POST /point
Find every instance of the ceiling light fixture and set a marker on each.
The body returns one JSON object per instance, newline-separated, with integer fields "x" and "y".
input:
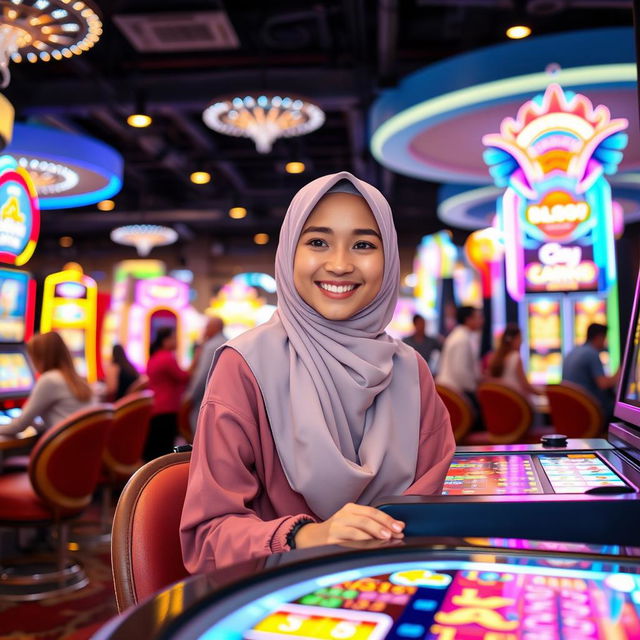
{"x": 264, "y": 119}
{"x": 261, "y": 238}
{"x": 294, "y": 167}
{"x": 518, "y": 31}
{"x": 44, "y": 30}
{"x": 237, "y": 213}
{"x": 144, "y": 237}
{"x": 65, "y": 241}
{"x": 139, "y": 120}
{"x": 106, "y": 205}
{"x": 200, "y": 177}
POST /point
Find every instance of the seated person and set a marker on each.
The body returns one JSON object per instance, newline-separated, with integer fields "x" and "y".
{"x": 427, "y": 346}
{"x": 583, "y": 366}
{"x": 505, "y": 363}
{"x": 59, "y": 391}
{"x": 120, "y": 374}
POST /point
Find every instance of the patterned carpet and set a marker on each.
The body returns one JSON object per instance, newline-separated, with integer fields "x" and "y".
{"x": 78, "y": 614}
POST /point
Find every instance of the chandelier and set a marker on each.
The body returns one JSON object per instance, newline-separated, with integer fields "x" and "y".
{"x": 42, "y": 30}
{"x": 144, "y": 237}
{"x": 264, "y": 119}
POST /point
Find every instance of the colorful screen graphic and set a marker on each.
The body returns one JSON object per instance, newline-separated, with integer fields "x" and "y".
{"x": 13, "y": 305}
{"x": 578, "y": 472}
{"x": 491, "y": 475}
{"x": 16, "y": 376}
{"x": 447, "y": 600}
{"x": 545, "y": 341}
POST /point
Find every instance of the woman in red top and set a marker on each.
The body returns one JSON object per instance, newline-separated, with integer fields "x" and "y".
{"x": 168, "y": 382}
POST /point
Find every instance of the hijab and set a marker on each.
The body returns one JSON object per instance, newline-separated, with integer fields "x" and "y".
{"x": 342, "y": 397}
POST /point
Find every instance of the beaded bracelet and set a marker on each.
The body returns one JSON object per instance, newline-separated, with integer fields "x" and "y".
{"x": 291, "y": 536}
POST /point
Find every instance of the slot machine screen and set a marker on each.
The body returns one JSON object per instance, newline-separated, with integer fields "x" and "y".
{"x": 16, "y": 373}
{"x": 14, "y": 286}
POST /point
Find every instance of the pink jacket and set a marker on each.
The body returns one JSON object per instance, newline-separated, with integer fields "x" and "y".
{"x": 239, "y": 504}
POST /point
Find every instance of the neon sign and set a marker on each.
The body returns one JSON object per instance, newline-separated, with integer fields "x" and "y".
{"x": 556, "y": 212}
{"x": 19, "y": 214}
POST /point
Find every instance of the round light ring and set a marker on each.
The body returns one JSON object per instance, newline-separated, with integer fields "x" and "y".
{"x": 48, "y": 26}
{"x": 144, "y": 237}
{"x": 457, "y": 98}
{"x": 264, "y": 118}
{"x": 69, "y": 170}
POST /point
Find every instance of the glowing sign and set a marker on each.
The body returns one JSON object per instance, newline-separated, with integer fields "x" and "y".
{"x": 162, "y": 291}
{"x": 19, "y": 214}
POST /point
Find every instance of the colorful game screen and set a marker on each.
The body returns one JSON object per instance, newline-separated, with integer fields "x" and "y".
{"x": 491, "y": 475}
{"x": 16, "y": 374}
{"x": 630, "y": 389}
{"x": 578, "y": 472}
{"x": 441, "y": 600}
{"x": 545, "y": 341}
{"x": 13, "y": 305}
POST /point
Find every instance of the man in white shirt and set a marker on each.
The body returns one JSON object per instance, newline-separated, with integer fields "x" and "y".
{"x": 459, "y": 364}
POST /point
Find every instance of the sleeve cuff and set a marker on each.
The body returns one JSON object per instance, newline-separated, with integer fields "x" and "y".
{"x": 279, "y": 540}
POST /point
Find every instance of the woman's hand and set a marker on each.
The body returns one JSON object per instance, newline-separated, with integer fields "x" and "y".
{"x": 353, "y": 522}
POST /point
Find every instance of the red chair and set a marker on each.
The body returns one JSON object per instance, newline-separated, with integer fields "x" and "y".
{"x": 460, "y": 410}
{"x": 64, "y": 467}
{"x": 574, "y": 411}
{"x": 506, "y": 413}
{"x": 145, "y": 543}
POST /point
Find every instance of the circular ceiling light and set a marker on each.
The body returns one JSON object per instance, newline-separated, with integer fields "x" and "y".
{"x": 294, "y": 167}
{"x": 237, "y": 213}
{"x": 144, "y": 237}
{"x": 518, "y": 31}
{"x": 43, "y": 30}
{"x": 139, "y": 120}
{"x": 68, "y": 170}
{"x": 200, "y": 177}
{"x": 264, "y": 119}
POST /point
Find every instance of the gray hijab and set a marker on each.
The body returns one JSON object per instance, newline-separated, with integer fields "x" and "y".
{"x": 342, "y": 397}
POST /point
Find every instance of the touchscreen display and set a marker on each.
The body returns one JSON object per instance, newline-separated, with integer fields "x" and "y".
{"x": 443, "y": 600}
{"x": 13, "y": 305}
{"x": 16, "y": 376}
{"x": 578, "y": 472}
{"x": 491, "y": 475}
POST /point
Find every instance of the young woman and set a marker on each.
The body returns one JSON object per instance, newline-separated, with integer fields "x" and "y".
{"x": 168, "y": 382}
{"x": 506, "y": 364}
{"x": 311, "y": 416}
{"x": 120, "y": 374}
{"x": 58, "y": 392}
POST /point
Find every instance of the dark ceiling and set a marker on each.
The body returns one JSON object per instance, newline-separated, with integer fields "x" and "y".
{"x": 339, "y": 53}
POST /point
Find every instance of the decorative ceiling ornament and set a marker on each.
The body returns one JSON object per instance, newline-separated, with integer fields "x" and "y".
{"x": 264, "y": 119}
{"x": 144, "y": 237}
{"x": 43, "y": 30}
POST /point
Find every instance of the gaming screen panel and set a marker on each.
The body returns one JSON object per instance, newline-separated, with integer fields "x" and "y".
{"x": 16, "y": 372}
{"x": 14, "y": 287}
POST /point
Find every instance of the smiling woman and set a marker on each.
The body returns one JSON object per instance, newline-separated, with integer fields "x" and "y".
{"x": 339, "y": 260}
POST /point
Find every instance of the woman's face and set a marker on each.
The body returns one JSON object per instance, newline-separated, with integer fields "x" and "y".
{"x": 170, "y": 342}
{"x": 339, "y": 261}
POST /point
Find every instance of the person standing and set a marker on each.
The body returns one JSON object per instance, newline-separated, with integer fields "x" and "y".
{"x": 167, "y": 381}
{"x": 583, "y": 367}
{"x": 212, "y": 339}
{"x": 427, "y": 346}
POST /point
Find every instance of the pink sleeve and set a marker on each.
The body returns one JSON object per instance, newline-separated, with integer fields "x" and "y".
{"x": 437, "y": 445}
{"x": 218, "y": 525}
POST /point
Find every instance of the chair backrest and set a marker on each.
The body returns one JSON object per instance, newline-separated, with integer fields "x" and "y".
{"x": 125, "y": 443}
{"x": 461, "y": 411}
{"x": 507, "y": 413}
{"x": 141, "y": 383}
{"x": 64, "y": 465}
{"x": 145, "y": 543}
{"x": 574, "y": 411}
{"x": 184, "y": 420}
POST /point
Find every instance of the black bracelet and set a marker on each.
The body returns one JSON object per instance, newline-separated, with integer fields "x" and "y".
{"x": 291, "y": 536}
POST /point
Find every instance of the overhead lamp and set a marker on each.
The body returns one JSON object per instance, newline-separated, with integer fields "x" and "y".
{"x": 261, "y": 238}
{"x": 237, "y": 213}
{"x": 65, "y": 241}
{"x": 264, "y": 118}
{"x": 44, "y": 30}
{"x": 106, "y": 205}
{"x": 139, "y": 120}
{"x": 294, "y": 167}
{"x": 200, "y": 177}
{"x": 144, "y": 237}
{"x": 518, "y": 31}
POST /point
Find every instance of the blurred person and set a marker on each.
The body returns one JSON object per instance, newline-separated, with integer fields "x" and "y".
{"x": 582, "y": 366}
{"x": 212, "y": 338}
{"x": 427, "y": 346}
{"x": 58, "y": 392}
{"x": 120, "y": 374}
{"x": 505, "y": 363}
{"x": 168, "y": 382}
